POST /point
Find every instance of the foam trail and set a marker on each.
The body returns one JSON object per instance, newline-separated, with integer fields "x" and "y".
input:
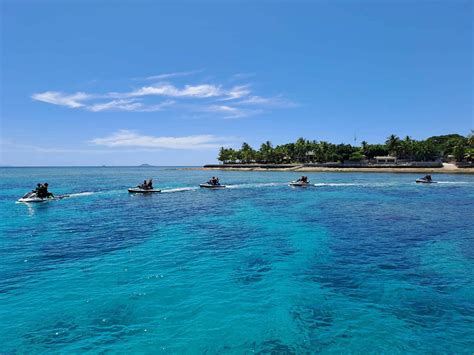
{"x": 180, "y": 189}
{"x": 87, "y": 193}
{"x": 247, "y": 186}
{"x": 345, "y": 184}
{"x": 454, "y": 182}
{"x": 338, "y": 184}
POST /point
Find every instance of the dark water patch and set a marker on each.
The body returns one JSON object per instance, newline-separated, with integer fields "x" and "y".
{"x": 252, "y": 269}
{"x": 274, "y": 346}
{"x": 212, "y": 237}
{"x": 310, "y": 318}
{"x": 339, "y": 280}
{"x": 105, "y": 326}
{"x": 92, "y": 245}
{"x": 53, "y": 334}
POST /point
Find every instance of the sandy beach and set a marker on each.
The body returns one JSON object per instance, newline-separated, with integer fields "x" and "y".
{"x": 446, "y": 169}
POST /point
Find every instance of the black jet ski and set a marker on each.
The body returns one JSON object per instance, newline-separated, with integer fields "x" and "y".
{"x": 300, "y": 184}
{"x": 32, "y": 197}
{"x": 211, "y": 186}
{"x": 139, "y": 190}
{"x": 425, "y": 181}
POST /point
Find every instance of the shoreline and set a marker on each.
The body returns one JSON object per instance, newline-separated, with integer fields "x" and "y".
{"x": 446, "y": 169}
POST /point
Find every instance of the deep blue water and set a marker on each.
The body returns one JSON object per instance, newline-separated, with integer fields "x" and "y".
{"x": 361, "y": 263}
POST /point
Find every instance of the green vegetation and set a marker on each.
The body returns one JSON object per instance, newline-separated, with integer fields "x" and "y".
{"x": 447, "y": 147}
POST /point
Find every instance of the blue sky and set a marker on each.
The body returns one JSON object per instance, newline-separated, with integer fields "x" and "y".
{"x": 167, "y": 83}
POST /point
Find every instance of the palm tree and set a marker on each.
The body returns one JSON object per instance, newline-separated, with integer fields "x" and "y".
{"x": 266, "y": 152}
{"x": 405, "y": 149}
{"x": 470, "y": 139}
{"x": 301, "y": 149}
{"x": 223, "y": 155}
{"x": 459, "y": 152}
{"x": 393, "y": 143}
{"x": 247, "y": 153}
{"x": 469, "y": 154}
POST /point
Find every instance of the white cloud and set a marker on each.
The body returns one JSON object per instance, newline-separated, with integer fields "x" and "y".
{"x": 232, "y": 112}
{"x": 128, "y": 105}
{"x": 188, "y": 91}
{"x": 266, "y": 101}
{"x": 239, "y": 76}
{"x": 174, "y": 75}
{"x": 228, "y": 102}
{"x": 126, "y": 138}
{"x": 58, "y": 98}
{"x": 224, "y": 109}
{"x": 197, "y": 91}
{"x": 237, "y": 92}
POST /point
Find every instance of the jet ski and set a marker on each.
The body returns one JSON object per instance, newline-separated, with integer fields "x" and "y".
{"x": 425, "y": 181}
{"x": 139, "y": 190}
{"x": 31, "y": 197}
{"x": 300, "y": 184}
{"x": 211, "y": 186}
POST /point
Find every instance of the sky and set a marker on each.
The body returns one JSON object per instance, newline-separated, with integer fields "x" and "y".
{"x": 169, "y": 82}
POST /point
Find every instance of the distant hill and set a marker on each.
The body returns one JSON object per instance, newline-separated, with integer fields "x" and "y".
{"x": 144, "y": 165}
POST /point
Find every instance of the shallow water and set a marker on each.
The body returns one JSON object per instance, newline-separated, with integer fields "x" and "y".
{"x": 359, "y": 263}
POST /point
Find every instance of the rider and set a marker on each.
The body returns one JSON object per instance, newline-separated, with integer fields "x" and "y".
{"x": 428, "y": 177}
{"x": 48, "y": 194}
{"x": 38, "y": 188}
{"x": 42, "y": 191}
{"x": 214, "y": 181}
{"x": 150, "y": 184}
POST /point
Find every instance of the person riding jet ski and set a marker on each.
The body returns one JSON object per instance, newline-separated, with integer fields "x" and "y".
{"x": 425, "y": 180}
{"x": 214, "y": 181}
{"x": 303, "y": 179}
{"x": 147, "y": 185}
{"x": 42, "y": 191}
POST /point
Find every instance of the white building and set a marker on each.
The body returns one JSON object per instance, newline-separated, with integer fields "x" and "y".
{"x": 385, "y": 159}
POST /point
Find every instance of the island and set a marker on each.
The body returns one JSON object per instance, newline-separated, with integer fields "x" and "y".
{"x": 451, "y": 153}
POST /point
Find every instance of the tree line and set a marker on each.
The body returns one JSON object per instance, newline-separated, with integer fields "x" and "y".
{"x": 452, "y": 146}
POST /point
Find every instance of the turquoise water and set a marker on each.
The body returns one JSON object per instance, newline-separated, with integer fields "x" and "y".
{"x": 361, "y": 263}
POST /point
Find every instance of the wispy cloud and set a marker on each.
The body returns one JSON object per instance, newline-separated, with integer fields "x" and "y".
{"x": 128, "y": 105}
{"x": 240, "y": 76}
{"x": 127, "y": 138}
{"x": 228, "y": 111}
{"x": 266, "y": 101}
{"x": 237, "y": 92}
{"x": 233, "y": 112}
{"x": 58, "y": 98}
{"x": 174, "y": 75}
{"x": 202, "y": 91}
{"x": 221, "y": 100}
{"x": 164, "y": 89}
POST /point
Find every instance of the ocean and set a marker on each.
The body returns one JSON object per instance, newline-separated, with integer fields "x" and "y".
{"x": 359, "y": 263}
